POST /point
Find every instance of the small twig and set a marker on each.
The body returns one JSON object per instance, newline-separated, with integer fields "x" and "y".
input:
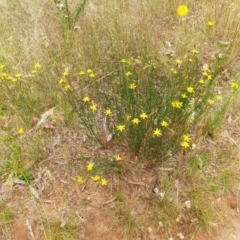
{"x": 238, "y": 197}
{"x": 136, "y": 183}
{"x": 29, "y": 227}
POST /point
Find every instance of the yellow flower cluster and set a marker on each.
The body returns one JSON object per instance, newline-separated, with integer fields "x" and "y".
{"x": 89, "y": 71}
{"x": 63, "y": 80}
{"x": 37, "y": 66}
{"x": 177, "y": 104}
{"x": 96, "y": 178}
{"x": 5, "y": 76}
{"x": 185, "y": 141}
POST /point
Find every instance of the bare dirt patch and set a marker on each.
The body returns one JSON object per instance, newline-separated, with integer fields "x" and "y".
{"x": 101, "y": 212}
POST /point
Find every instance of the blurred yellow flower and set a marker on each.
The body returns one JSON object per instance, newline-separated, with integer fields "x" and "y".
{"x": 67, "y": 87}
{"x": 128, "y": 117}
{"x": 86, "y": 99}
{"x": 108, "y": 112}
{"x": 93, "y": 107}
{"x": 210, "y": 23}
{"x": 96, "y": 178}
{"x": 37, "y": 65}
{"x": 118, "y": 158}
{"x": 92, "y": 75}
{"x": 184, "y": 95}
{"x": 195, "y": 51}
{"x": 81, "y": 72}
{"x": 143, "y": 115}
{"x": 179, "y": 61}
{"x": 182, "y": 11}
{"x": 186, "y": 138}
{"x": 190, "y": 89}
{"x": 185, "y": 144}
{"x": 79, "y": 179}
{"x": 18, "y": 75}
{"x": 61, "y": 80}
{"x": 128, "y": 73}
{"x": 218, "y": 97}
{"x": 104, "y": 182}
{"x": 174, "y": 71}
{"x": 132, "y": 86}
{"x": 164, "y": 123}
{"x": 177, "y": 104}
{"x": 89, "y": 71}
{"x": 90, "y": 166}
{"x": 65, "y": 73}
{"x": 121, "y": 128}
{"x": 20, "y": 131}
{"x": 135, "y": 121}
{"x": 234, "y": 85}
{"x": 210, "y": 101}
{"x": 157, "y": 132}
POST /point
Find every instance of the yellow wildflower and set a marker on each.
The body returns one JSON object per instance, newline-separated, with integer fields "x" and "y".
{"x": 177, "y": 104}
{"x": 179, "y": 61}
{"x": 143, "y": 115}
{"x": 61, "y": 80}
{"x": 195, "y": 51}
{"x": 164, "y": 123}
{"x": 18, "y": 75}
{"x": 121, "y": 128}
{"x": 20, "y": 131}
{"x": 173, "y": 70}
{"x": 104, "y": 182}
{"x": 186, "y": 138}
{"x": 79, "y": 179}
{"x": 81, "y": 72}
{"x": 118, "y": 158}
{"x": 157, "y": 132}
{"x": 132, "y": 86}
{"x": 90, "y": 166}
{"x": 67, "y": 87}
{"x": 108, "y": 112}
{"x": 184, "y": 95}
{"x": 96, "y": 178}
{"x": 182, "y": 11}
{"x": 89, "y": 71}
{"x": 128, "y": 117}
{"x": 128, "y": 73}
{"x": 93, "y": 107}
{"x": 135, "y": 121}
{"x": 37, "y": 65}
{"x": 210, "y": 101}
{"x": 185, "y": 144}
{"x": 234, "y": 85}
{"x": 65, "y": 73}
{"x": 190, "y": 89}
{"x": 86, "y": 99}
{"x": 92, "y": 75}
{"x": 210, "y": 23}
{"x": 218, "y": 97}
